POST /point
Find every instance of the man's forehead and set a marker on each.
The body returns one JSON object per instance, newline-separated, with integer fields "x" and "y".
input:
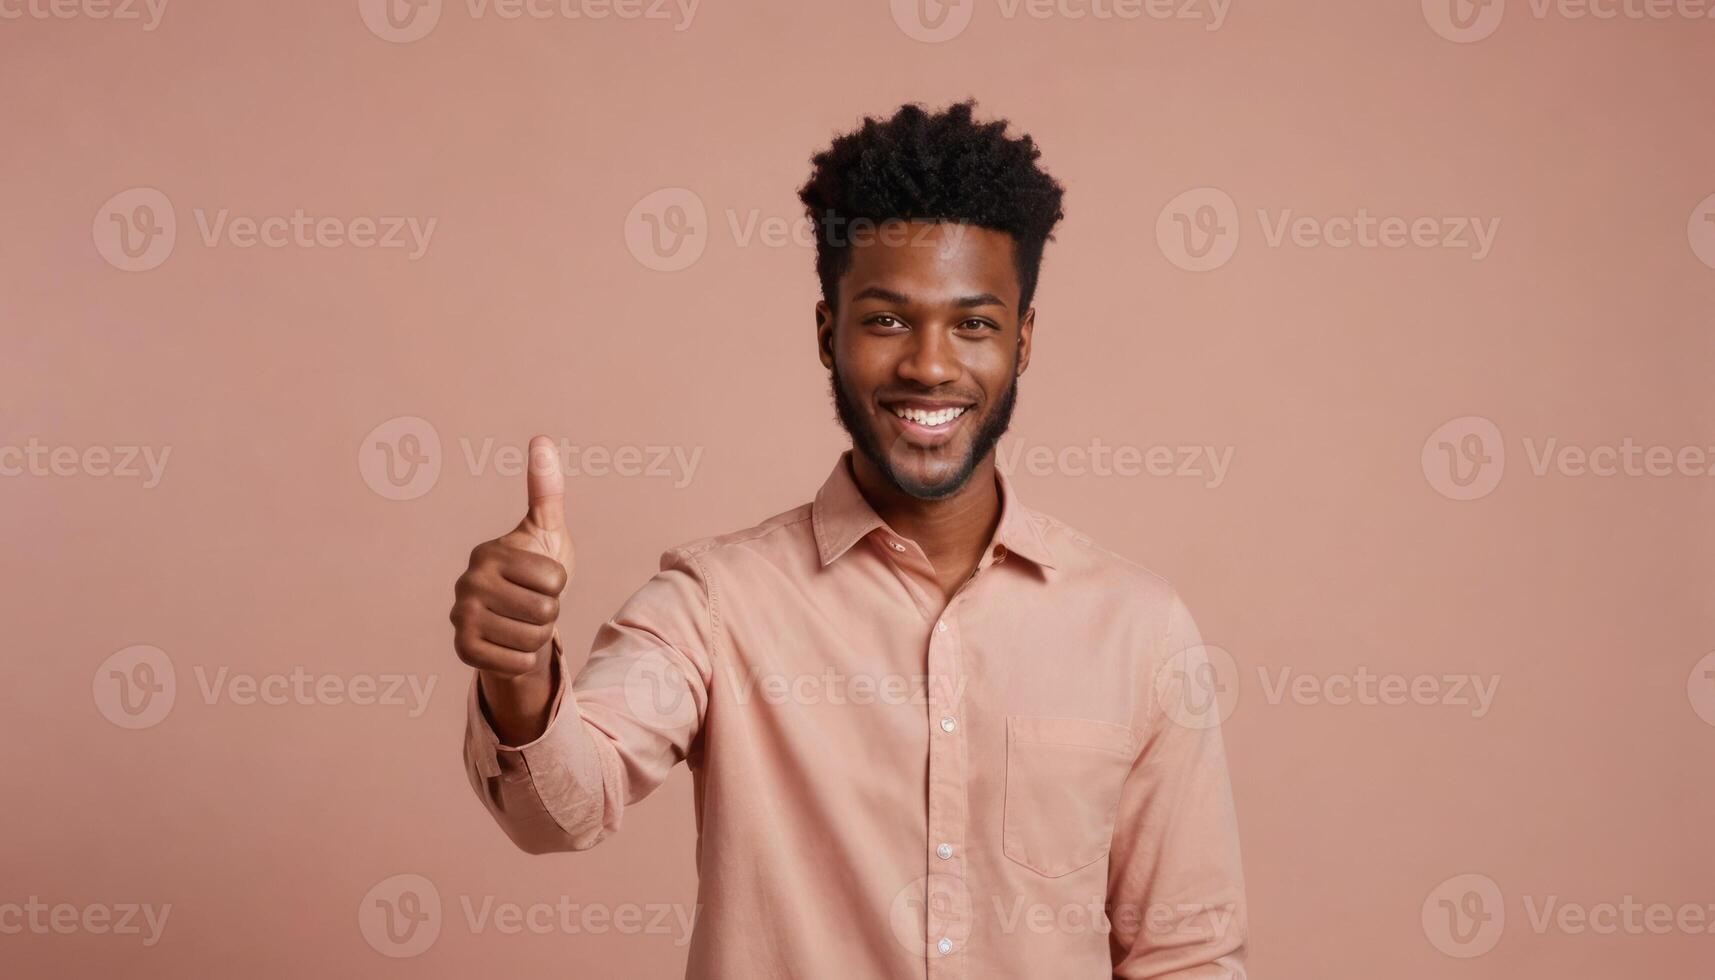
{"x": 932, "y": 261}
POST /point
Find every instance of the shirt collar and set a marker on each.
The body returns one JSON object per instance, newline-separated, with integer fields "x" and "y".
{"x": 840, "y": 517}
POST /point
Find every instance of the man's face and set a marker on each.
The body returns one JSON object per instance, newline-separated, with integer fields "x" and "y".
{"x": 925, "y": 350}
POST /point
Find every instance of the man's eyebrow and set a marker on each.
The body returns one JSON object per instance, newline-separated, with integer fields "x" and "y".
{"x": 900, "y": 299}
{"x": 980, "y": 299}
{"x": 885, "y": 295}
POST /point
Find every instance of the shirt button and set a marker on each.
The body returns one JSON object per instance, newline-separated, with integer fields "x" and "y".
{"x": 941, "y": 626}
{"x": 947, "y": 724}
{"x": 944, "y": 852}
{"x": 897, "y": 546}
{"x": 944, "y": 947}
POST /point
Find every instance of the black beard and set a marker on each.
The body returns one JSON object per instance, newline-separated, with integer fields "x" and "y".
{"x": 993, "y": 426}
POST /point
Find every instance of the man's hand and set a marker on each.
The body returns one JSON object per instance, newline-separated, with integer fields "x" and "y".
{"x": 507, "y": 603}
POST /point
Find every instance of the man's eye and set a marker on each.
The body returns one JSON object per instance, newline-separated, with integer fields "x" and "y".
{"x": 979, "y": 325}
{"x": 884, "y": 321}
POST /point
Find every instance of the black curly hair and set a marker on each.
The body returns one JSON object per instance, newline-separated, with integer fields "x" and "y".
{"x": 923, "y": 166}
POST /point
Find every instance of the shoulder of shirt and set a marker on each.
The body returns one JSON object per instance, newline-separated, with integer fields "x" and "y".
{"x": 1078, "y": 555}
{"x": 715, "y": 546}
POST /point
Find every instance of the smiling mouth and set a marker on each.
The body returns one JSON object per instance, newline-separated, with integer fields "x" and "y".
{"x": 930, "y": 418}
{"x": 927, "y": 425}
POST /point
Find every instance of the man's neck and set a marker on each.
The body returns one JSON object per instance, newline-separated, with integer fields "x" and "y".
{"x": 952, "y": 531}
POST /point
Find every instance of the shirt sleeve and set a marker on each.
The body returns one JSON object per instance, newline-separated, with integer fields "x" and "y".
{"x": 613, "y": 734}
{"x": 1176, "y": 899}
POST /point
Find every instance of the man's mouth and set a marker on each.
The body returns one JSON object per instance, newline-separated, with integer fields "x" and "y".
{"x": 927, "y": 424}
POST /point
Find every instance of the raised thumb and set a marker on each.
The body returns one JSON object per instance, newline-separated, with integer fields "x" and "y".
{"x": 547, "y": 486}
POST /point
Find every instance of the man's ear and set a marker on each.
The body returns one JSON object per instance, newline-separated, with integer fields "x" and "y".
{"x": 825, "y": 333}
{"x": 1026, "y": 327}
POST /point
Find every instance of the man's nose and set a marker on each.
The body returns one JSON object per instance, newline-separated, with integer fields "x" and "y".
{"x": 930, "y": 360}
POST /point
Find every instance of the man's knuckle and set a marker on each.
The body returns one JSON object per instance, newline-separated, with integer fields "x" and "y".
{"x": 547, "y": 609}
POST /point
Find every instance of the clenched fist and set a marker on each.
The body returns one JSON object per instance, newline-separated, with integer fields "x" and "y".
{"x": 507, "y": 602}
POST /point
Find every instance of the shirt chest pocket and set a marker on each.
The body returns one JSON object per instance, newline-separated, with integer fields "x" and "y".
{"x": 1063, "y": 780}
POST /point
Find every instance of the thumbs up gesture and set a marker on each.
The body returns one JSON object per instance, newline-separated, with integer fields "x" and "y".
{"x": 507, "y": 602}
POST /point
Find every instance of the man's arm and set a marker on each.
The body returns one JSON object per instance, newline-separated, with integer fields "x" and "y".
{"x": 556, "y": 763}
{"x": 1176, "y": 896}
{"x": 614, "y": 733}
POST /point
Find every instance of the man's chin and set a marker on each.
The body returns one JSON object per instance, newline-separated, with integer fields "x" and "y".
{"x": 941, "y": 478}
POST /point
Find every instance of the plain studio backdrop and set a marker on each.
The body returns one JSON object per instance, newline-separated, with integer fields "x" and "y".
{"x": 1380, "y": 329}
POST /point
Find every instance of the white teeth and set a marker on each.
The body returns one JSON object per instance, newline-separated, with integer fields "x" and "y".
{"x": 937, "y": 417}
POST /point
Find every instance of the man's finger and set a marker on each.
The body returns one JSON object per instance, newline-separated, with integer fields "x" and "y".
{"x": 547, "y": 486}
{"x": 531, "y": 570}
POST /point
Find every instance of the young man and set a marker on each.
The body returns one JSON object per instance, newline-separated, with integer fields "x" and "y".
{"x": 933, "y": 733}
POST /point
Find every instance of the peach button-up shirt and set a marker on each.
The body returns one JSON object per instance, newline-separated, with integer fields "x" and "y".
{"x": 1017, "y": 782}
